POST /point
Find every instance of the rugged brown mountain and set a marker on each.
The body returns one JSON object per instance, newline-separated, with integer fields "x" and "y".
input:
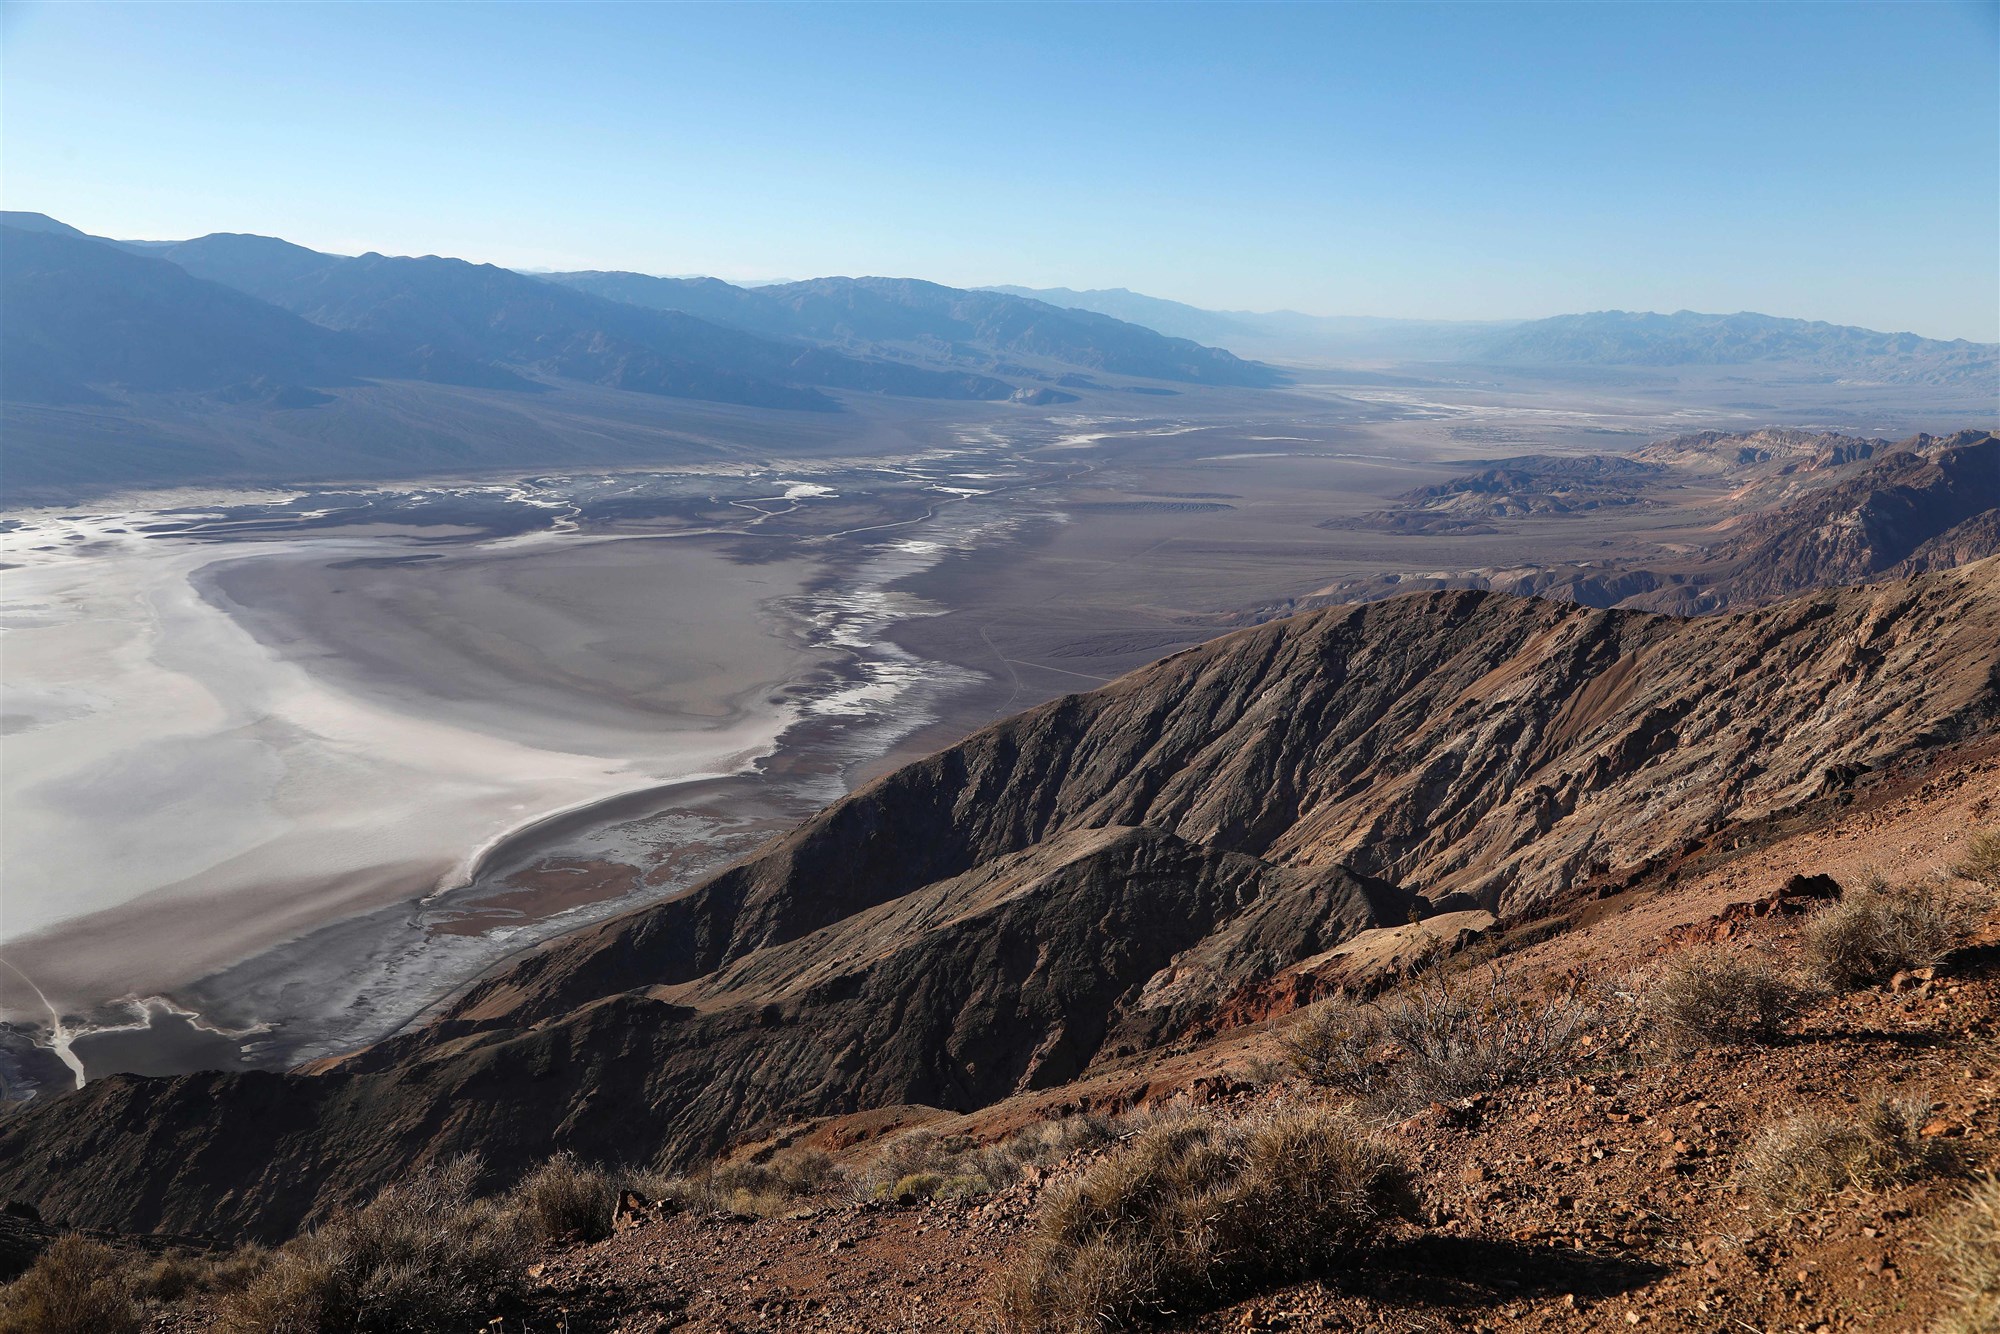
{"x": 1090, "y": 878}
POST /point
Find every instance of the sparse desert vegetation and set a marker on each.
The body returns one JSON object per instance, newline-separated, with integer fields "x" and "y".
{"x": 1196, "y": 1207}
{"x": 1879, "y": 930}
{"x": 77, "y": 1286}
{"x": 1968, "y": 1239}
{"x": 751, "y": 1189}
{"x": 1716, "y": 996}
{"x": 427, "y": 1254}
{"x": 1800, "y": 1161}
{"x": 1445, "y": 1037}
{"x": 1981, "y": 860}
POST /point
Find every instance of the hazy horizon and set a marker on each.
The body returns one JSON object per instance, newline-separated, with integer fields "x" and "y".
{"x": 1836, "y": 163}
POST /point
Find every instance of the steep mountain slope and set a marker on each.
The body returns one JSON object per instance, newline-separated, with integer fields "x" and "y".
{"x": 1094, "y": 877}
{"x": 1687, "y": 338}
{"x": 81, "y": 313}
{"x": 1908, "y": 501}
{"x": 928, "y": 320}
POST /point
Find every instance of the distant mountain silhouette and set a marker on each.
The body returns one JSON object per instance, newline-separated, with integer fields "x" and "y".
{"x": 1687, "y": 338}
{"x": 460, "y": 322}
{"x": 81, "y": 314}
{"x": 912, "y": 317}
{"x": 37, "y": 222}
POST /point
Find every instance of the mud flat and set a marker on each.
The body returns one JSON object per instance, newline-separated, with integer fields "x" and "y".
{"x": 213, "y": 748}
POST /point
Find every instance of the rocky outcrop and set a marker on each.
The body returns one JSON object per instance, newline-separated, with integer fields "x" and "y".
{"x": 1095, "y": 876}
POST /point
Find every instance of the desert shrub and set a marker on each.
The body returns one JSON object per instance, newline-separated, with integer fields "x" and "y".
{"x": 968, "y": 1167}
{"x": 751, "y": 1189}
{"x": 1716, "y": 997}
{"x": 1445, "y": 1039}
{"x": 563, "y": 1200}
{"x": 1876, "y": 931}
{"x": 76, "y": 1286}
{"x": 1196, "y": 1209}
{"x": 1340, "y": 1044}
{"x": 1968, "y": 1241}
{"x": 175, "y": 1277}
{"x": 424, "y": 1255}
{"x": 1046, "y": 1142}
{"x": 1981, "y": 862}
{"x": 1800, "y": 1161}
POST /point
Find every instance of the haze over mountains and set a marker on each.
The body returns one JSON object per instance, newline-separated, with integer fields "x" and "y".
{"x": 1599, "y": 338}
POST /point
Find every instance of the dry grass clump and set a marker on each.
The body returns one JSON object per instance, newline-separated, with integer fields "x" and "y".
{"x": 1981, "y": 862}
{"x": 1798, "y": 1162}
{"x": 921, "y": 1165}
{"x": 1877, "y": 931}
{"x": 1196, "y": 1209}
{"x": 1444, "y": 1040}
{"x": 563, "y": 1200}
{"x": 76, "y": 1286}
{"x": 170, "y": 1278}
{"x": 1969, "y": 1243}
{"x": 1716, "y": 997}
{"x": 747, "y": 1189}
{"x": 425, "y": 1255}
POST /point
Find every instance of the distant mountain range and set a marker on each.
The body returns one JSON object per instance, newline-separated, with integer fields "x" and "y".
{"x": 925, "y": 319}
{"x": 1284, "y": 333}
{"x": 1600, "y": 338}
{"x": 1688, "y": 338}
{"x": 88, "y": 315}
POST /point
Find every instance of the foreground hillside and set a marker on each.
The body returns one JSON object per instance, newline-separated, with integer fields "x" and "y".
{"x": 1098, "y": 880}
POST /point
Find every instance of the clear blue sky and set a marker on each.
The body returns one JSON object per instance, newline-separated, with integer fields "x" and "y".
{"x": 1836, "y": 162}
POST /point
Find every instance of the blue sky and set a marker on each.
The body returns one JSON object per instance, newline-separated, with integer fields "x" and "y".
{"x": 1834, "y": 162}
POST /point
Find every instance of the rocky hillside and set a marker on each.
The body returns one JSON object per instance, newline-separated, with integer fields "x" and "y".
{"x": 1776, "y": 512}
{"x": 1091, "y": 879}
